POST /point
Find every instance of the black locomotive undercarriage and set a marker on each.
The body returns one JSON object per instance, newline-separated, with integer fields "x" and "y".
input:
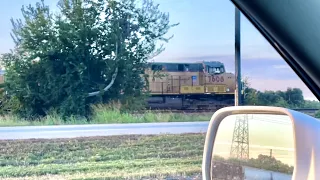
{"x": 190, "y": 102}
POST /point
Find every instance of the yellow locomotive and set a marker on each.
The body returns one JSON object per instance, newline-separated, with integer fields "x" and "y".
{"x": 200, "y": 85}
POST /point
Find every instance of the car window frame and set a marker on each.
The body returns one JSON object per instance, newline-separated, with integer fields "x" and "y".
{"x": 247, "y": 8}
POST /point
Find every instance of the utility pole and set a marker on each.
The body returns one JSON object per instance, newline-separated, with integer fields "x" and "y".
{"x": 237, "y": 48}
{"x": 270, "y": 152}
{"x": 240, "y": 139}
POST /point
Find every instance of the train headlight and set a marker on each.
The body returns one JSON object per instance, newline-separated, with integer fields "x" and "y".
{"x": 228, "y": 89}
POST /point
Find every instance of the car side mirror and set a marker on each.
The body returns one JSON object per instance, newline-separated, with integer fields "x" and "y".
{"x": 283, "y": 144}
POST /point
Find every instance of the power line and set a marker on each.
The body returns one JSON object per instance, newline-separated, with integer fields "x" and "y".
{"x": 275, "y": 122}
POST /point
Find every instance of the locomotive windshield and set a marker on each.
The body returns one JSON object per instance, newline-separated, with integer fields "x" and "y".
{"x": 214, "y": 70}
{"x": 214, "y": 67}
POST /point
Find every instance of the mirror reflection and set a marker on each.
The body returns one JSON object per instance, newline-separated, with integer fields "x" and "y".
{"x": 254, "y": 146}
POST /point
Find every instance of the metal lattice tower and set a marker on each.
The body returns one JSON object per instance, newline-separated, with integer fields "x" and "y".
{"x": 240, "y": 139}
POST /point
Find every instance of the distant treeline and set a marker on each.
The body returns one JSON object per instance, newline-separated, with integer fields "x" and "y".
{"x": 262, "y": 162}
{"x": 291, "y": 98}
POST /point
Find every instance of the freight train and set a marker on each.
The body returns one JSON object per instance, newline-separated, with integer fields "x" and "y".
{"x": 187, "y": 86}
{"x": 190, "y": 86}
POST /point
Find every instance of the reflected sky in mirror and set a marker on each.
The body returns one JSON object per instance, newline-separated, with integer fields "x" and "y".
{"x": 270, "y": 135}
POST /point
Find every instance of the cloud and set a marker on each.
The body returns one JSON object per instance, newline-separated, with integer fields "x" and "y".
{"x": 281, "y": 67}
{"x": 215, "y": 57}
{"x": 171, "y": 58}
{"x": 255, "y": 52}
{"x": 261, "y": 67}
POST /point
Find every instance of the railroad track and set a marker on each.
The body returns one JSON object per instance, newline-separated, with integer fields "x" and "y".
{"x": 185, "y": 111}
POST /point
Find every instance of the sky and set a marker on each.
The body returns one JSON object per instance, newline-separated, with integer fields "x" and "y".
{"x": 205, "y": 33}
{"x": 265, "y": 132}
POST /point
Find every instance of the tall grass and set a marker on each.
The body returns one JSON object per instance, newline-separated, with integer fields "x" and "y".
{"x": 105, "y": 114}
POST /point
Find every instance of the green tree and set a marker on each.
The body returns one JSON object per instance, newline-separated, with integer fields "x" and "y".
{"x": 266, "y": 98}
{"x": 311, "y": 104}
{"x": 281, "y": 103}
{"x": 249, "y": 94}
{"x": 89, "y": 52}
{"x": 294, "y": 97}
{"x": 251, "y": 97}
{"x": 317, "y": 115}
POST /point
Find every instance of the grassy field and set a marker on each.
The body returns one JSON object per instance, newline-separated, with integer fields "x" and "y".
{"x": 107, "y": 115}
{"x": 117, "y": 157}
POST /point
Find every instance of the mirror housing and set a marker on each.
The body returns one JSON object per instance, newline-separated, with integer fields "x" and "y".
{"x": 306, "y": 132}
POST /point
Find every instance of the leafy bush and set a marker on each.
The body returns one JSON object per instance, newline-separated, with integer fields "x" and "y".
{"x": 317, "y": 115}
{"x": 89, "y": 52}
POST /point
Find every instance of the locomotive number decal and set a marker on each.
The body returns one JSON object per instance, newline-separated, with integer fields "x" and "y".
{"x": 217, "y": 79}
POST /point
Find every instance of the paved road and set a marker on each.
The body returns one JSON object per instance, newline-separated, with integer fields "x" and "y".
{"x": 71, "y": 131}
